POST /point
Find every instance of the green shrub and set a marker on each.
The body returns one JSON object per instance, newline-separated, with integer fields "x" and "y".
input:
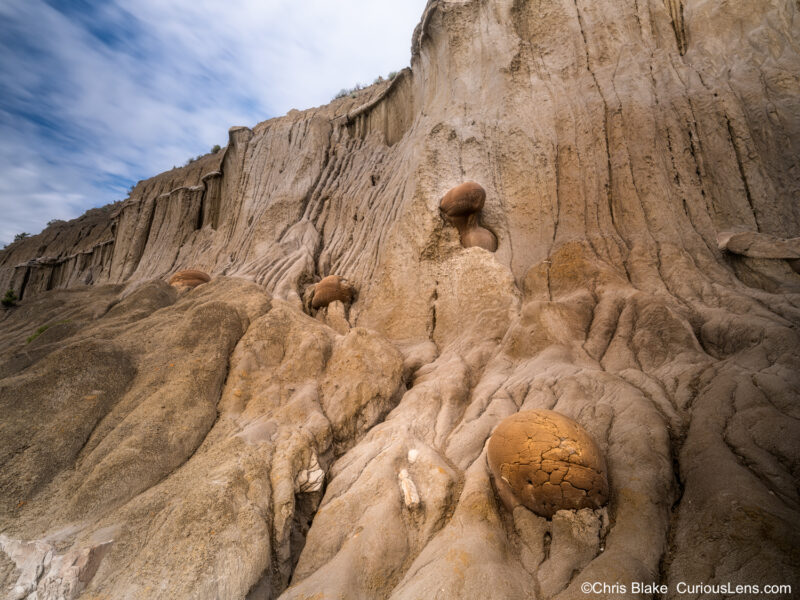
{"x": 352, "y": 92}
{"x": 39, "y": 331}
{"x": 21, "y": 236}
{"x": 349, "y": 92}
{"x": 10, "y": 299}
{"x": 216, "y": 148}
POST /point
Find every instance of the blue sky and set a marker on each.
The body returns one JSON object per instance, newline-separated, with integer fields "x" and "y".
{"x": 95, "y": 95}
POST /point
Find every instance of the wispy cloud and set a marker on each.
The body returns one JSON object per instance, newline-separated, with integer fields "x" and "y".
{"x": 97, "y": 95}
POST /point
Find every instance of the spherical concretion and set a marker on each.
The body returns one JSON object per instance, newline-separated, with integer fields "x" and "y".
{"x": 189, "y": 278}
{"x": 547, "y": 462}
{"x": 332, "y": 288}
{"x": 463, "y": 199}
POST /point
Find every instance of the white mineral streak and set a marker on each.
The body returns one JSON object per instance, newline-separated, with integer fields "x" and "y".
{"x": 311, "y": 478}
{"x": 410, "y": 495}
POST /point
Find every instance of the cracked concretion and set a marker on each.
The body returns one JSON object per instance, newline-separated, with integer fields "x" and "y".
{"x": 546, "y": 462}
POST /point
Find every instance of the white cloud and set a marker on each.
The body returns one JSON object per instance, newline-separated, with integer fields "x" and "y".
{"x": 93, "y": 98}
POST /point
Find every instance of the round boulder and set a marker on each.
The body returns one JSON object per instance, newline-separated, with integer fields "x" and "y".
{"x": 547, "y": 462}
{"x": 463, "y": 200}
{"x": 190, "y": 278}
{"x": 330, "y": 288}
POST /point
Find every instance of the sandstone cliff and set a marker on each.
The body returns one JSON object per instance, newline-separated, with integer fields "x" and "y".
{"x": 640, "y": 163}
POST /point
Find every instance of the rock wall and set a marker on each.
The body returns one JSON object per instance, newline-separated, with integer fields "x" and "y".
{"x": 631, "y": 151}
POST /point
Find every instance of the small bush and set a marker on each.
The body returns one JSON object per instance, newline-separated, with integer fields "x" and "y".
{"x": 353, "y": 91}
{"x": 10, "y": 299}
{"x": 55, "y": 222}
{"x": 349, "y": 92}
{"x": 191, "y": 159}
{"x": 21, "y": 236}
{"x": 216, "y": 148}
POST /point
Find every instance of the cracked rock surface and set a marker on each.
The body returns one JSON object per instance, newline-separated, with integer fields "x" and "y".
{"x": 219, "y": 442}
{"x": 546, "y": 462}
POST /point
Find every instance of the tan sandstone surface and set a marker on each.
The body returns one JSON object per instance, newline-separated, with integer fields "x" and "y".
{"x": 640, "y": 163}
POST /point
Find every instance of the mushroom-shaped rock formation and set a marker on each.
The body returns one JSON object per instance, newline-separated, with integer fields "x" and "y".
{"x": 463, "y": 200}
{"x": 546, "y": 462}
{"x": 462, "y": 207}
{"x": 189, "y": 278}
{"x": 330, "y": 288}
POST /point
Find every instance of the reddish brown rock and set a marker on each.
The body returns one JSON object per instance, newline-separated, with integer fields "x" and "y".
{"x": 479, "y": 236}
{"x": 461, "y": 207}
{"x": 463, "y": 200}
{"x": 189, "y": 278}
{"x": 331, "y": 288}
{"x": 547, "y": 462}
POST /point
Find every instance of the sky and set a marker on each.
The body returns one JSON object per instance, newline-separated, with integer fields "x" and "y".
{"x": 98, "y": 94}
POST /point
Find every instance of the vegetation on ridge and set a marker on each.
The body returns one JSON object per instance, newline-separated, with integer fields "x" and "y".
{"x": 214, "y": 149}
{"x": 352, "y": 92}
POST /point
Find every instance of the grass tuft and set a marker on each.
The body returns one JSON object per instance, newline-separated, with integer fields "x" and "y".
{"x": 40, "y": 330}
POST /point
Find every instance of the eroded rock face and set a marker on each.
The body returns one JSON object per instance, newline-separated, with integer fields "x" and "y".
{"x": 547, "y": 462}
{"x": 462, "y": 206}
{"x": 761, "y": 246}
{"x": 229, "y": 443}
{"x": 189, "y": 278}
{"x": 44, "y": 574}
